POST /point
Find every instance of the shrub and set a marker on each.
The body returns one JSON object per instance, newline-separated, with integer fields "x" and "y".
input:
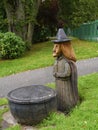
{"x": 1, "y": 36}
{"x": 11, "y": 46}
{"x": 41, "y": 34}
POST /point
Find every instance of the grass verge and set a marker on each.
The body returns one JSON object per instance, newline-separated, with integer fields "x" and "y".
{"x": 40, "y": 56}
{"x": 85, "y": 49}
{"x": 3, "y": 102}
{"x": 17, "y": 127}
{"x": 84, "y": 116}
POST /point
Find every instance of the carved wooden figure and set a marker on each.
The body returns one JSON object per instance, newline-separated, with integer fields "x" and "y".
{"x": 65, "y": 73}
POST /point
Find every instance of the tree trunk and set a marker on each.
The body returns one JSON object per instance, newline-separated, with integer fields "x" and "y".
{"x": 30, "y": 32}
{"x": 30, "y": 27}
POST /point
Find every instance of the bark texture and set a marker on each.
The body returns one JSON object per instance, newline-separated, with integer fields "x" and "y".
{"x": 65, "y": 73}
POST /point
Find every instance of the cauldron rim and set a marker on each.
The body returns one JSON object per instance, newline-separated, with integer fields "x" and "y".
{"x": 30, "y": 100}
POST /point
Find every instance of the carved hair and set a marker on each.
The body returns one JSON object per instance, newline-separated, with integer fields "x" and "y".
{"x": 68, "y": 51}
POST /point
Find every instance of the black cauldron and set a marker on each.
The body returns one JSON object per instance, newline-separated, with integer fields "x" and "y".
{"x": 31, "y": 104}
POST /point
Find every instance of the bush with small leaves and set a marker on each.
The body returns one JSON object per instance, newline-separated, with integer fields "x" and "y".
{"x": 11, "y": 46}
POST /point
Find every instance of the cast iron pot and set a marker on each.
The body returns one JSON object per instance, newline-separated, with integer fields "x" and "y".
{"x": 31, "y": 104}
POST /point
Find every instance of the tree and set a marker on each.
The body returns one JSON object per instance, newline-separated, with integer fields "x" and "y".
{"x": 21, "y": 15}
{"x": 85, "y": 11}
{"x": 3, "y": 19}
{"x": 66, "y": 7}
{"x": 76, "y": 12}
{"x": 46, "y": 20}
{"x": 47, "y": 15}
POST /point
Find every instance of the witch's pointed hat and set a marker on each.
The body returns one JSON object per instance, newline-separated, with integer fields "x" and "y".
{"x": 61, "y": 36}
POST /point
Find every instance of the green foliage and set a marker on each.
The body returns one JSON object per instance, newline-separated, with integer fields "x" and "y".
{"x": 16, "y": 127}
{"x": 84, "y": 11}
{"x": 3, "y": 19}
{"x": 78, "y": 11}
{"x": 11, "y": 46}
{"x": 1, "y": 35}
{"x": 21, "y": 16}
{"x": 66, "y": 8}
{"x": 46, "y": 21}
{"x": 3, "y": 101}
{"x": 30, "y": 10}
{"x": 28, "y": 45}
{"x": 40, "y": 34}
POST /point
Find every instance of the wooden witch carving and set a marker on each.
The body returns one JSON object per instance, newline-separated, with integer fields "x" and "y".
{"x": 65, "y": 72}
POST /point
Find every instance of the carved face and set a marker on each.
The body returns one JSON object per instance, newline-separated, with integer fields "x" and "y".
{"x": 56, "y": 50}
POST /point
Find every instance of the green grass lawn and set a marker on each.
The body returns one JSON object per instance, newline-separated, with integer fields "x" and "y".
{"x": 83, "y": 117}
{"x": 3, "y": 101}
{"x": 40, "y": 56}
{"x": 85, "y": 49}
{"x": 17, "y": 127}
